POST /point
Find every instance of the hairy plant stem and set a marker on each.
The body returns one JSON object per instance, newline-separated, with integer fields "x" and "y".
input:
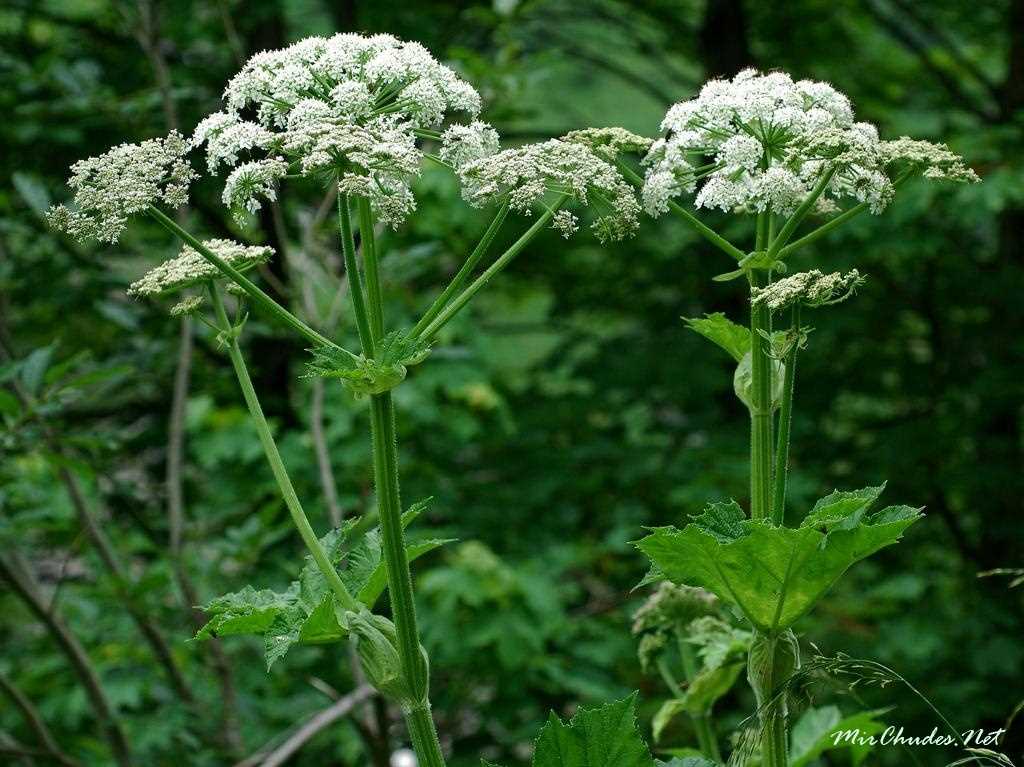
{"x": 355, "y": 280}
{"x": 418, "y": 719}
{"x": 284, "y": 483}
{"x": 761, "y": 394}
{"x": 453, "y": 308}
{"x": 785, "y": 423}
{"x": 463, "y": 274}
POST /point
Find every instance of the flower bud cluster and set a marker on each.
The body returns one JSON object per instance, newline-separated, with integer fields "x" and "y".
{"x": 190, "y": 268}
{"x": 122, "y": 182}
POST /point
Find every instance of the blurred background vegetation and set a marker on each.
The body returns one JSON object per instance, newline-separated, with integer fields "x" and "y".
{"x": 575, "y": 409}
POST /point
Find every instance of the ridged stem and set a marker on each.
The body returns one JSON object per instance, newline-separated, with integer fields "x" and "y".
{"x": 785, "y": 424}
{"x": 277, "y": 467}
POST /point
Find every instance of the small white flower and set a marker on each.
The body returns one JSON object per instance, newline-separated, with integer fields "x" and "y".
{"x": 122, "y": 182}
{"x": 525, "y": 175}
{"x": 811, "y": 288}
{"x": 461, "y": 144}
{"x": 565, "y": 222}
{"x": 189, "y": 268}
{"x": 348, "y": 104}
{"x": 609, "y": 143}
{"x": 761, "y": 142}
{"x": 251, "y": 181}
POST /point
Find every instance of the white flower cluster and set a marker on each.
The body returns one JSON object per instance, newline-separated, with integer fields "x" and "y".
{"x": 462, "y": 144}
{"x": 811, "y": 288}
{"x": 525, "y": 175}
{"x": 761, "y": 142}
{"x": 124, "y": 181}
{"x": 609, "y": 143}
{"x": 190, "y": 268}
{"x": 348, "y": 104}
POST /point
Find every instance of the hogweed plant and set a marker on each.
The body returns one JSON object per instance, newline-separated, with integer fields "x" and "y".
{"x": 361, "y": 116}
{"x": 356, "y": 114}
{"x": 777, "y": 151}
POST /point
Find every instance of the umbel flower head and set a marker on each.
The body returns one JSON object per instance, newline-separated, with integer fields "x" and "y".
{"x": 811, "y": 289}
{"x": 348, "y": 105}
{"x": 122, "y": 182}
{"x": 524, "y": 176}
{"x": 761, "y": 142}
{"x": 189, "y": 268}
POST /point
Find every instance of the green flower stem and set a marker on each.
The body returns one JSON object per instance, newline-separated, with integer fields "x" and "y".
{"x": 389, "y": 506}
{"x": 345, "y": 599}
{"x": 369, "y": 248}
{"x": 761, "y": 393}
{"x": 839, "y": 220}
{"x": 799, "y": 214}
{"x": 500, "y": 263}
{"x": 701, "y": 722}
{"x": 414, "y": 667}
{"x": 257, "y": 296}
{"x": 785, "y": 424}
{"x": 463, "y": 274}
{"x": 355, "y": 281}
{"x": 699, "y": 226}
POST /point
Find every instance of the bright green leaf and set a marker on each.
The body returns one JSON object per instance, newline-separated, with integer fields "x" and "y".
{"x": 812, "y": 735}
{"x": 596, "y": 737}
{"x": 774, "y": 575}
{"x": 720, "y": 330}
{"x": 844, "y": 508}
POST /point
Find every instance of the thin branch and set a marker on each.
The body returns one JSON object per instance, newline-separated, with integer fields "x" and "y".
{"x": 13, "y": 569}
{"x": 35, "y": 723}
{"x": 274, "y": 756}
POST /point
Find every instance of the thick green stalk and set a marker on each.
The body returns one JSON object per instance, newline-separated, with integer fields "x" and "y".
{"x": 291, "y": 499}
{"x": 785, "y": 424}
{"x": 500, "y": 262}
{"x": 463, "y": 274}
{"x": 355, "y": 281}
{"x": 368, "y": 244}
{"x": 257, "y": 296}
{"x": 403, "y": 608}
{"x": 389, "y": 504}
{"x": 761, "y": 395}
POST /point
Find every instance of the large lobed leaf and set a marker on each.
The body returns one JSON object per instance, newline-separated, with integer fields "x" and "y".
{"x": 606, "y": 736}
{"x": 774, "y": 575}
{"x": 307, "y": 611}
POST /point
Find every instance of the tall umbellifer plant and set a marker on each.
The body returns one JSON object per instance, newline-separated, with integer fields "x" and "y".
{"x": 354, "y": 113}
{"x": 781, "y": 153}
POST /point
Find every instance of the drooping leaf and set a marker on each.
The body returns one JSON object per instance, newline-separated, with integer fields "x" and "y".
{"x": 244, "y": 612}
{"x": 34, "y": 366}
{"x": 813, "y": 734}
{"x": 307, "y": 612}
{"x": 774, "y": 575}
{"x": 720, "y": 330}
{"x": 598, "y": 737}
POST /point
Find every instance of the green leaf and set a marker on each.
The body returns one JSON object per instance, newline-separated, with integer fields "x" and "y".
{"x": 33, "y": 368}
{"x": 720, "y": 330}
{"x": 32, "y": 190}
{"x": 596, "y": 737}
{"x": 842, "y": 509}
{"x": 812, "y": 735}
{"x": 707, "y": 687}
{"x": 9, "y": 404}
{"x": 774, "y": 575}
{"x": 307, "y": 612}
{"x": 243, "y": 612}
{"x": 691, "y": 761}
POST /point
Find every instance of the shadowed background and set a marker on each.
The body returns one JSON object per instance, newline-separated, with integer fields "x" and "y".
{"x": 570, "y": 408}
